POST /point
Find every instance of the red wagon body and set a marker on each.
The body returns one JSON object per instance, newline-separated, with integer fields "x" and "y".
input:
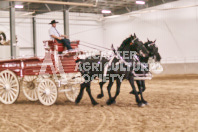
{"x": 30, "y": 74}
{"x": 32, "y": 66}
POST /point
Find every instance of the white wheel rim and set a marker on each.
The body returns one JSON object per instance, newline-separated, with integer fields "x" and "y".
{"x": 29, "y": 88}
{"x": 47, "y": 92}
{"x": 72, "y": 93}
{"x": 9, "y": 87}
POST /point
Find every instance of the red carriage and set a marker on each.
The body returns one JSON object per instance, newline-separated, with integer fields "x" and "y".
{"x": 41, "y": 78}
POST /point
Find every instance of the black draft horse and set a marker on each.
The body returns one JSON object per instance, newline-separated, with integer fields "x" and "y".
{"x": 153, "y": 52}
{"x": 94, "y": 66}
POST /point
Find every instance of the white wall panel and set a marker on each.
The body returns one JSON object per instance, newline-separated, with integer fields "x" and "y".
{"x": 86, "y": 29}
{"x": 23, "y": 30}
{"x": 175, "y": 30}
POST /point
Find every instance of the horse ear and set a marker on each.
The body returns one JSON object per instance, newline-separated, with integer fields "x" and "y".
{"x": 112, "y": 46}
{"x": 154, "y": 41}
{"x": 147, "y": 39}
{"x": 134, "y": 35}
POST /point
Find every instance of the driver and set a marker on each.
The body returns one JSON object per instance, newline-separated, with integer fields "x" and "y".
{"x": 55, "y": 34}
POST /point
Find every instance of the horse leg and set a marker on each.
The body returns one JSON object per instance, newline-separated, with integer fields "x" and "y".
{"x": 138, "y": 82}
{"x": 109, "y": 101}
{"x": 118, "y": 83}
{"x": 131, "y": 80}
{"x": 101, "y": 94}
{"x": 79, "y": 97}
{"x": 143, "y": 86}
{"x": 89, "y": 93}
{"x": 141, "y": 92}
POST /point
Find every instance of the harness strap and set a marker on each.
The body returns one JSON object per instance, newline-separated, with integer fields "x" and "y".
{"x": 107, "y": 66}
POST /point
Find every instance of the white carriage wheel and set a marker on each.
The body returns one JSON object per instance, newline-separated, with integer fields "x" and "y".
{"x": 9, "y": 87}
{"x": 72, "y": 92}
{"x": 47, "y": 92}
{"x": 29, "y": 88}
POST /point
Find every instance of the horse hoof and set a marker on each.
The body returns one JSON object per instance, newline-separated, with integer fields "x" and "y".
{"x": 146, "y": 103}
{"x": 114, "y": 102}
{"x": 100, "y": 96}
{"x": 77, "y": 101}
{"x": 141, "y": 104}
{"x": 108, "y": 102}
{"x": 95, "y": 103}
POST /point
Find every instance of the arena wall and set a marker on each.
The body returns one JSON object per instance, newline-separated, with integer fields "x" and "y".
{"x": 174, "y": 25}
{"x": 84, "y": 27}
{"x": 180, "y": 68}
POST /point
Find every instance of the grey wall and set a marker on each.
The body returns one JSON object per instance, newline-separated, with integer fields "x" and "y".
{"x": 180, "y": 68}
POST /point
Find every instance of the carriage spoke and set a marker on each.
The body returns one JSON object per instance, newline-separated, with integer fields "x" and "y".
{"x": 1, "y": 91}
{"x": 3, "y": 95}
{"x": 8, "y": 77}
{"x": 3, "y": 78}
{"x": 12, "y": 93}
{"x": 13, "y": 89}
{"x": 11, "y": 96}
{"x": 1, "y": 84}
{"x": 8, "y": 96}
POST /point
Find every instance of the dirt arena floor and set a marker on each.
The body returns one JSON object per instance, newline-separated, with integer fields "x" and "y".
{"x": 173, "y": 106}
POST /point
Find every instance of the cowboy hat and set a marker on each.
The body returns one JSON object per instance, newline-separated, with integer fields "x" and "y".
{"x": 53, "y": 21}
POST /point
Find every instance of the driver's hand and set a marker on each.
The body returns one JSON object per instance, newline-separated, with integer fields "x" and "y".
{"x": 59, "y": 38}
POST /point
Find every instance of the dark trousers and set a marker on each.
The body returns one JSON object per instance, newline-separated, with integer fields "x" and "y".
{"x": 66, "y": 43}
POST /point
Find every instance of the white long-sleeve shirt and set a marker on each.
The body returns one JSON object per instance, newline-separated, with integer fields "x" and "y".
{"x": 55, "y": 32}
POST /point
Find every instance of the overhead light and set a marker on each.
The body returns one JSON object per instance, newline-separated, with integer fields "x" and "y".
{"x": 140, "y": 2}
{"x": 106, "y": 11}
{"x": 19, "y": 6}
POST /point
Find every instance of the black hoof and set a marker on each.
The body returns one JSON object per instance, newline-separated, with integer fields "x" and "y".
{"x": 77, "y": 100}
{"x": 95, "y": 103}
{"x": 145, "y": 102}
{"x": 110, "y": 101}
{"x": 100, "y": 96}
{"x": 114, "y": 102}
{"x": 141, "y": 104}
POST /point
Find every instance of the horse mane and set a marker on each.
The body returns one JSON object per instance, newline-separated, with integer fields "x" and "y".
{"x": 124, "y": 43}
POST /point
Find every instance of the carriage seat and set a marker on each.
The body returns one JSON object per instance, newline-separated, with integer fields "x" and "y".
{"x": 54, "y": 45}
